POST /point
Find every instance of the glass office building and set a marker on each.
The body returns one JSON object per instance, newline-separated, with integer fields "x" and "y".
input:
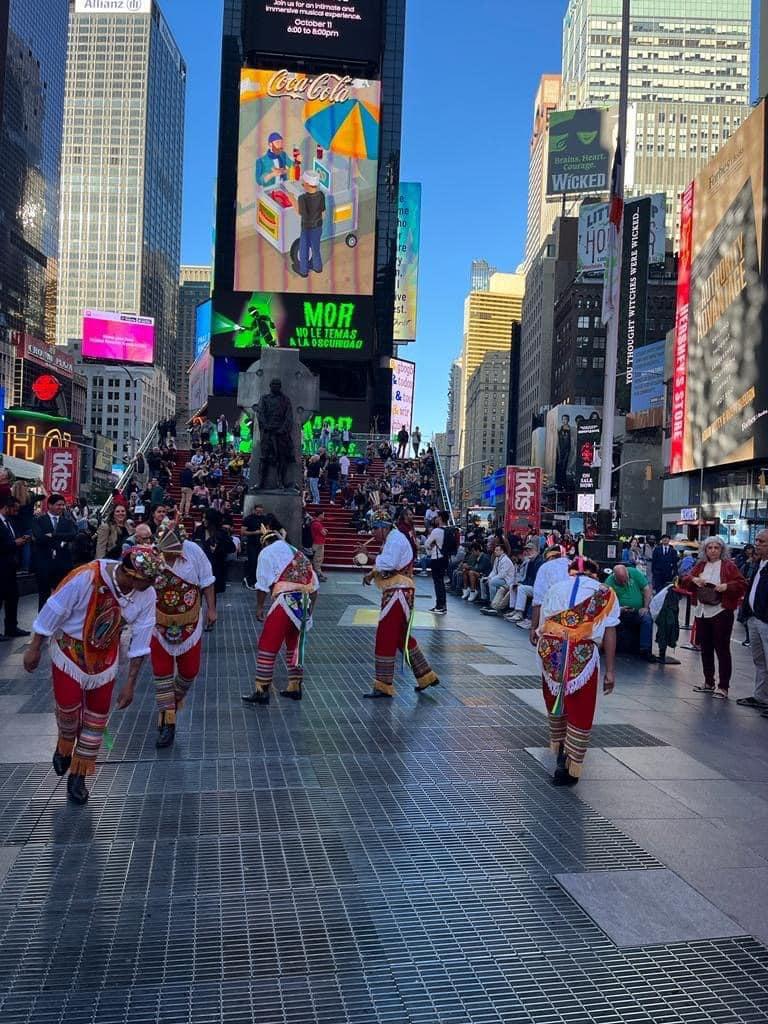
{"x": 33, "y": 47}
{"x": 122, "y": 171}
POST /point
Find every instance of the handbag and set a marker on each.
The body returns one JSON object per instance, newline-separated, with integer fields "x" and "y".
{"x": 500, "y": 599}
{"x": 708, "y": 595}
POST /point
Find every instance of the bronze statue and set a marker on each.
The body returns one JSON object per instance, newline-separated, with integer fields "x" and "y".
{"x": 274, "y": 414}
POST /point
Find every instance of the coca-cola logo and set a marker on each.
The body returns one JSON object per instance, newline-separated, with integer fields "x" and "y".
{"x": 327, "y": 87}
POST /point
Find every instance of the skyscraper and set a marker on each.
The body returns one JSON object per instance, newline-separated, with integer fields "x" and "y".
{"x": 194, "y": 288}
{"x": 689, "y": 82}
{"x": 122, "y": 171}
{"x": 486, "y": 420}
{"x": 541, "y": 214}
{"x": 33, "y": 55}
{"x": 480, "y": 278}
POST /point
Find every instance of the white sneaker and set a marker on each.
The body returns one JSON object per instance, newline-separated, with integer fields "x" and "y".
{"x": 473, "y": 596}
{"x": 465, "y": 593}
{"x": 524, "y": 624}
{"x": 515, "y": 616}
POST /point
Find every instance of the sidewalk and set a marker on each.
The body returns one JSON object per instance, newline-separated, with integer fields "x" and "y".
{"x": 346, "y": 861}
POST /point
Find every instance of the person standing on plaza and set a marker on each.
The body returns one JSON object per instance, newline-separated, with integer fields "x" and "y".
{"x": 416, "y": 442}
{"x": 251, "y": 534}
{"x": 11, "y": 545}
{"x": 434, "y": 547}
{"x": 186, "y": 577}
{"x": 393, "y": 575}
{"x": 756, "y": 615}
{"x": 578, "y": 615}
{"x": 287, "y": 575}
{"x": 82, "y": 622}
{"x": 112, "y": 534}
{"x": 663, "y": 563}
{"x": 319, "y": 536}
{"x": 52, "y": 535}
{"x": 716, "y": 587}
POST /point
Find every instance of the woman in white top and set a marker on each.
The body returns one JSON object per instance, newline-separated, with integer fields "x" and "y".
{"x": 503, "y": 574}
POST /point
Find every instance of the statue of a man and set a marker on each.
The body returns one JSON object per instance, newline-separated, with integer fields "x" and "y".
{"x": 275, "y": 417}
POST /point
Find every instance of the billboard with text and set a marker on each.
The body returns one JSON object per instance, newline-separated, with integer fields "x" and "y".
{"x": 403, "y": 387}
{"x": 581, "y": 146}
{"x": 407, "y": 261}
{"x": 306, "y": 185}
{"x": 592, "y": 250}
{"x": 118, "y": 337}
{"x": 348, "y": 30}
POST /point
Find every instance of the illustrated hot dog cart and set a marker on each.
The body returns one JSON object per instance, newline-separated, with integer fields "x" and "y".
{"x": 278, "y": 220}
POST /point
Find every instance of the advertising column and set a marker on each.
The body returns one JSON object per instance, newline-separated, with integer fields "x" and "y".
{"x": 407, "y": 267}
{"x": 634, "y": 295}
{"x": 589, "y": 431}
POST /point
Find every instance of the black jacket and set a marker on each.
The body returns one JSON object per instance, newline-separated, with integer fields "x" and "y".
{"x": 52, "y": 548}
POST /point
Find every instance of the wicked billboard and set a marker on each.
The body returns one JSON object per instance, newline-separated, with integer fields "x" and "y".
{"x": 720, "y": 376}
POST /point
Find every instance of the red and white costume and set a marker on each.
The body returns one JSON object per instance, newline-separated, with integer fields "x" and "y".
{"x": 288, "y": 576}
{"x": 178, "y": 632}
{"x": 83, "y": 619}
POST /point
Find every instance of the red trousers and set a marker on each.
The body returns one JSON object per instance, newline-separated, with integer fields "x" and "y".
{"x": 173, "y": 677}
{"x": 278, "y": 629}
{"x": 390, "y": 640}
{"x": 572, "y": 727}
{"x": 81, "y": 716}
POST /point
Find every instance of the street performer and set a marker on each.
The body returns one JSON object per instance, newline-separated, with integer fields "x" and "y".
{"x": 393, "y": 575}
{"x": 287, "y": 575}
{"x": 83, "y": 619}
{"x": 578, "y": 614}
{"x": 177, "y": 637}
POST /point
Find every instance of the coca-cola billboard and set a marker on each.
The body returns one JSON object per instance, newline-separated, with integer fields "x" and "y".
{"x": 61, "y": 472}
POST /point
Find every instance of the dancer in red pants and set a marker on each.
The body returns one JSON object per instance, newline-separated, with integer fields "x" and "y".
{"x": 393, "y": 575}
{"x": 177, "y": 638}
{"x": 83, "y": 619}
{"x": 288, "y": 576}
{"x": 577, "y": 614}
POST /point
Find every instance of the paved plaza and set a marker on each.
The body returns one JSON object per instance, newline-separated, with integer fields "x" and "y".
{"x": 341, "y": 860}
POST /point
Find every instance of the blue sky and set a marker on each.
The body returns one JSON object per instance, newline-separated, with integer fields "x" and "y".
{"x": 471, "y": 72}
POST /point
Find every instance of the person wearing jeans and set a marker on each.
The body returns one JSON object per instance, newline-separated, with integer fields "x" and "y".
{"x": 527, "y": 577}
{"x": 438, "y": 563}
{"x": 755, "y": 612}
{"x": 502, "y": 574}
{"x": 313, "y": 478}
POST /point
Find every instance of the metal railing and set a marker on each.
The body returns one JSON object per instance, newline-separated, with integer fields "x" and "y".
{"x": 130, "y": 470}
{"x": 445, "y": 494}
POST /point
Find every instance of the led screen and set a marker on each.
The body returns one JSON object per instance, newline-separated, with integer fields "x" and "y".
{"x": 306, "y": 188}
{"x": 342, "y": 29}
{"x": 203, "y": 315}
{"x": 118, "y": 337}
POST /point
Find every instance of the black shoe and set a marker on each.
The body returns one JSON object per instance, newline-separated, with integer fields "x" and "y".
{"x": 291, "y": 694}
{"x": 562, "y": 758}
{"x": 257, "y": 697}
{"x": 422, "y": 689}
{"x": 166, "y": 736}
{"x": 76, "y": 790}
{"x": 4, "y": 639}
{"x": 10, "y": 634}
{"x": 61, "y": 762}
{"x": 377, "y": 695}
{"x": 563, "y": 777}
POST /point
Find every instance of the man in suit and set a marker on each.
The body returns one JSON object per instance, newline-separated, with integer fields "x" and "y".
{"x": 52, "y": 535}
{"x": 663, "y": 563}
{"x": 755, "y": 613}
{"x": 11, "y": 544}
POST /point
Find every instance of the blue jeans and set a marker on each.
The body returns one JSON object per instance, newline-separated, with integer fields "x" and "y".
{"x": 314, "y": 487}
{"x": 310, "y": 240}
{"x": 334, "y": 487}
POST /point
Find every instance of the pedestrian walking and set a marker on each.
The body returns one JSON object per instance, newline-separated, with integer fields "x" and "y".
{"x": 757, "y": 617}
{"x": 319, "y": 535}
{"x": 438, "y": 562}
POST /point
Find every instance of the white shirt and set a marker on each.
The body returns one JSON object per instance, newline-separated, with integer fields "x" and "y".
{"x": 396, "y": 554}
{"x": 435, "y": 542}
{"x": 549, "y": 573}
{"x": 273, "y": 560}
{"x": 710, "y": 573}
{"x": 65, "y": 611}
{"x": 753, "y": 591}
{"x": 505, "y": 567}
{"x": 558, "y": 598}
{"x": 344, "y": 464}
{"x": 194, "y": 567}
{"x": 196, "y": 460}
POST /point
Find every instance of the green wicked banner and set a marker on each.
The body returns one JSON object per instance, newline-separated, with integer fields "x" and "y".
{"x": 327, "y": 325}
{"x": 581, "y": 144}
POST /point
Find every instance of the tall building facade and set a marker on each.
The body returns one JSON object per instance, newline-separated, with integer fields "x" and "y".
{"x": 194, "y": 288}
{"x": 486, "y": 421}
{"x": 541, "y": 214}
{"x": 122, "y": 169}
{"x": 480, "y": 276}
{"x": 689, "y": 82}
{"x": 488, "y": 322}
{"x": 33, "y": 54}
{"x": 357, "y": 389}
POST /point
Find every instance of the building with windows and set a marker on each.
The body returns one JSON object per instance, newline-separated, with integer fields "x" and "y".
{"x": 121, "y": 180}
{"x": 33, "y": 53}
{"x": 689, "y": 82}
{"x": 486, "y": 422}
{"x": 480, "y": 277}
{"x": 194, "y": 288}
{"x": 541, "y": 213}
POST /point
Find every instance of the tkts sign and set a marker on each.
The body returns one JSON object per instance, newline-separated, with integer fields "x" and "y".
{"x": 523, "y": 500}
{"x": 61, "y": 472}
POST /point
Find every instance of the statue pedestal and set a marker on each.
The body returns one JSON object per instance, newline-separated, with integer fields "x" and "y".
{"x": 303, "y": 389}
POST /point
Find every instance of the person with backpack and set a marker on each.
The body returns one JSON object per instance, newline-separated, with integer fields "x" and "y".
{"x": 436, "y": 547}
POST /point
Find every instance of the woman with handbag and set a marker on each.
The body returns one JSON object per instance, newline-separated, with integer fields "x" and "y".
{"x": 716, "y": 587}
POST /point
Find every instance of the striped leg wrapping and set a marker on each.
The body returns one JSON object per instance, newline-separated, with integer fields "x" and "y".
{"x": 558, "y": 727}
{"x": 420, "y": 666}
{"x": 385, "y": 674}
{"x": 295, "y": 679}
{"x": 181, "y": 688}
{"x": 265, "y": 669}
{"x": 165, "y": 695}
{"x": 68, "y": 721}
{"x": 576, "y": 743}
{"x": 88, "y": 743}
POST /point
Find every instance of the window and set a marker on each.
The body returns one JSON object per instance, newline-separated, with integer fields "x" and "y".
{"x": 598, "y": 363}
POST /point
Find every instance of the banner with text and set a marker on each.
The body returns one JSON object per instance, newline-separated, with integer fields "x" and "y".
{"x": 581, "y": 146}
{"x": 407, "y": 262}
{"x": 61, "y": 472}
{"x": 523, "y": 500}
{"x": 592, "y": 250}
{"x": 634, "y": 296}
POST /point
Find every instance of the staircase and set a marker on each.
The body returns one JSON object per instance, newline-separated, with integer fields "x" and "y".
{"x": 195, "y": 519}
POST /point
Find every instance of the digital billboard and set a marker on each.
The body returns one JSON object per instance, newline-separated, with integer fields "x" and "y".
{"x": 118, "y": 337}
{"x": 348, "y": 30}
{"x": 203, "y": 322}
{"x": 200, "y": 381}
{"x": 306, "y": 183}
{"x": 403, "y": 387}
{"x": 327, "y": 325}
{"x": 594, "y": 233}
{"x": 648, "y": 377}
{"x": 581, "y": 148}
{"x": 720, "y": 373}
{"x": 407, "y": 261}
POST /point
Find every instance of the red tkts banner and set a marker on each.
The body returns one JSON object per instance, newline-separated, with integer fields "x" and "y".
{"x": 61, "y": 472}
{"x": 523, "y": 500}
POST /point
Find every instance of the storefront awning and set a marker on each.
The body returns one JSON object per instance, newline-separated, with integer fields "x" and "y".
{"x": 21, "y": 469}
